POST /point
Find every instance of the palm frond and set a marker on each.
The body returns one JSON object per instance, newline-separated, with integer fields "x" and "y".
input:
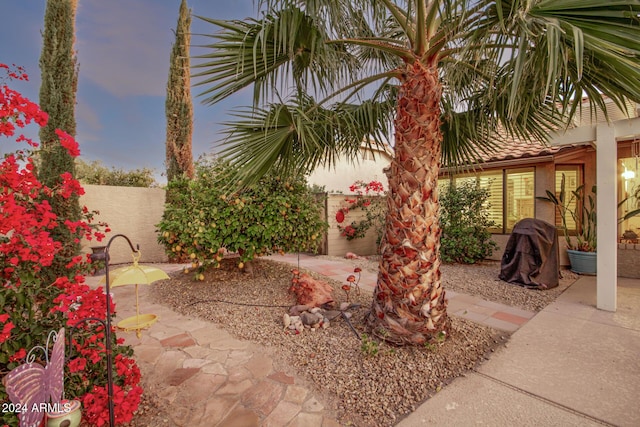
{"x": 517, "y": 66}
{"x": 283, "y": 46}
{"x": 301, "y": 135}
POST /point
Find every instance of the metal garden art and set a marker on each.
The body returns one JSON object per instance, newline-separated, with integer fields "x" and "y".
{"x": 133, "y": 275}
{"x": 136, "y": 275}
{"x": 36, "y": 389}
{"x": 352, "y": 282}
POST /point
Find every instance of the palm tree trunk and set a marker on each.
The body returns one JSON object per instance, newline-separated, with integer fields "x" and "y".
{"x": 409, "y": 305}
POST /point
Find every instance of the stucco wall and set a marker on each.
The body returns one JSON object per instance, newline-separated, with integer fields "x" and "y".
{"x": 134, "y": 212}
{"x": 338, "y": 245}
{"x": 629, "y": 260}
{"x": 131, "y": 211}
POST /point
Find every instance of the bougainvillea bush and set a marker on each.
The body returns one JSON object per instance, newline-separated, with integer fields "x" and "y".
{"x": 32, "y": 306}
{"x": 202, "y": 220}
{"x": 368, "y": 197}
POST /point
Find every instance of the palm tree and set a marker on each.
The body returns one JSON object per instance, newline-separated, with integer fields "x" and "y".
{"x": 443, "y": 75}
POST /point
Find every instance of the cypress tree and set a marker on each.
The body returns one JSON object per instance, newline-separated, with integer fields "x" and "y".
{"x": 178, "y": 105}
{"x": 59, "y": 73}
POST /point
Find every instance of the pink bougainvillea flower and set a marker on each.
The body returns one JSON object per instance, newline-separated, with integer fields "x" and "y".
{"x": 68, "y": 142}
{"x": 18, "y": 355}
{"x": 26, "y": 221}
{"x": 6, "y": 331}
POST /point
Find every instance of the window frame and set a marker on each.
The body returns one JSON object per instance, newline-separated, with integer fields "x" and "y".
{"x": 560, "y": 167}
{"x": 502, "y": 225}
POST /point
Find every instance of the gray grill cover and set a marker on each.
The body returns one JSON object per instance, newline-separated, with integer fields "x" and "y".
{"x": 531, "y": 257}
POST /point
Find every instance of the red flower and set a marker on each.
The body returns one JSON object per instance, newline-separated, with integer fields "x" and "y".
{"x": 6, "y": 331}
{"x": 78, "y": 364}
{"x": 19, "y": 355}
{"x": 96, "y": 408}
{"x": 70, "y": 186}
{"x": 68, "y": 142}
{"x": 26, "y": 222}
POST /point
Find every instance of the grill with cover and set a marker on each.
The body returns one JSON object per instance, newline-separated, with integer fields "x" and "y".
{"x": 531, "y": 257}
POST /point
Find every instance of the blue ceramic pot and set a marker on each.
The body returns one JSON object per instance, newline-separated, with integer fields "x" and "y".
{"x": 583, "y": 262}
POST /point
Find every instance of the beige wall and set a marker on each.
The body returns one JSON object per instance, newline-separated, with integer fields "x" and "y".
{"x": 338, "y": 245}
{"x": 131, "y": 211}
{"x": 628, "y": 257}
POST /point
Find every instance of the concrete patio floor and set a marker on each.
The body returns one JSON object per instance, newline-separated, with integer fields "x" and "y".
{"x": 570, "y": 365}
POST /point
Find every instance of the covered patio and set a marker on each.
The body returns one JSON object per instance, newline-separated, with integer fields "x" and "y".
{"x": 605, "y": 137}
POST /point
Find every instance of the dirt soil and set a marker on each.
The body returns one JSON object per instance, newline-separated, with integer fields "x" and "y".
{"x": 366, "y": 383}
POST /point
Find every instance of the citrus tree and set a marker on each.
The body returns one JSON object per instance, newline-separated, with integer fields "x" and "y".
{"x": 441, "y": 75}
{"x": 204, "y": 220}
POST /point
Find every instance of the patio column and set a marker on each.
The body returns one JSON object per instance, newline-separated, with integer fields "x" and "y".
{"x": 607, "y": 208}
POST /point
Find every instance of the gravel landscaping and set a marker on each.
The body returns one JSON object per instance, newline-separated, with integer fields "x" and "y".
{"x": 365, "y": 382}
{"x": 481, "y": 280}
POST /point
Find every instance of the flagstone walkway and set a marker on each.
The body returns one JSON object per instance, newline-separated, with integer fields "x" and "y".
{"x": 206, "y": 378}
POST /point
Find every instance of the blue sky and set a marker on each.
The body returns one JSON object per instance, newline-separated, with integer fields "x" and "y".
{"x": 123, "y": 49}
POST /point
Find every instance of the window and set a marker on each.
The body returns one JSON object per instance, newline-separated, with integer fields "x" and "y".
{"x": 493, "y": 181}
{"x": 629, "y": 193}
{"x": 511, "y": 194}
{"x": 519, "y": 195}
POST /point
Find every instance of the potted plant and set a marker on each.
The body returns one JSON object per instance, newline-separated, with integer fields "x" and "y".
{"x": 581, "y": 208}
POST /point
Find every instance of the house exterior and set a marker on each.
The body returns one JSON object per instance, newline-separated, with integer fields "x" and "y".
{"x": 519, "y": 172}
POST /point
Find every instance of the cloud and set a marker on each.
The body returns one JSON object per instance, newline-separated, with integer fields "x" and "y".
{"x": 89, "y": 117}
{"x": 89, "y": 126}
{"x": 124, "y": 46}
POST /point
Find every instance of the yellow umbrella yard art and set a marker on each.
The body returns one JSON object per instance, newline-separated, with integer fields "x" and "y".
{"x": 136, "y": 275}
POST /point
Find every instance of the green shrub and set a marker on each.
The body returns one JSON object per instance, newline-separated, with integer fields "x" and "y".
{"x": 465, "y": 222}
{"x": 201, "y": 219}
{"x": 95, "y": 173}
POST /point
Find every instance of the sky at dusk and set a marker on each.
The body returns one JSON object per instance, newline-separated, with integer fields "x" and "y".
{"x": 123, "y": 49}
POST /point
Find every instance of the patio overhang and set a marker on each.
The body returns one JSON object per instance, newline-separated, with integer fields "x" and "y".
{"x": 604, "y": 138}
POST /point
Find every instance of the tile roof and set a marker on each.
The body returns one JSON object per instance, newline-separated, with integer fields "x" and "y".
{"x": 511, "y": 148}
{"x": 516, "y": 149}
